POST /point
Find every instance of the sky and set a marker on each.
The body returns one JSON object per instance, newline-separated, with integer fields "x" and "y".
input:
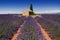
{"x": 39, "y": 6}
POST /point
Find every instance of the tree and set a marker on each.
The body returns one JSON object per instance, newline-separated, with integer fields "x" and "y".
{"x": 31, "y": 7}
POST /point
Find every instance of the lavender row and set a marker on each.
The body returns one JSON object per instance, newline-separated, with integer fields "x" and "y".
{"x": 30, "y": 31}
{"x": 53, "y": 30}
{"x": 9, "y": 24}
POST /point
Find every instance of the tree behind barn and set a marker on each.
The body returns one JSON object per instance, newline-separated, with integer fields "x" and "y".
{"x": 31, "y": 8}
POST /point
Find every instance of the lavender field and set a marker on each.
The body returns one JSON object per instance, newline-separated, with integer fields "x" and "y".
{"x": 10, "y": 23}
{"x": 51, "y": 23}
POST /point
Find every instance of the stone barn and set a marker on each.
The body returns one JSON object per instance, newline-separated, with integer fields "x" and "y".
{"x": 26, "y": 12}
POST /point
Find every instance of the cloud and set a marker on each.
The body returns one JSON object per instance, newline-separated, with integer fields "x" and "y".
{"x": 50, "y": 11}
{"x": 9, "y": 12}
{"x": 19, "y": 12}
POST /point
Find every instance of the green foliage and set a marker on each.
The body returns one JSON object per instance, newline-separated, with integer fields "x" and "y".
{"x": 31, "y": 13}
{"x": 31, "y": 7}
